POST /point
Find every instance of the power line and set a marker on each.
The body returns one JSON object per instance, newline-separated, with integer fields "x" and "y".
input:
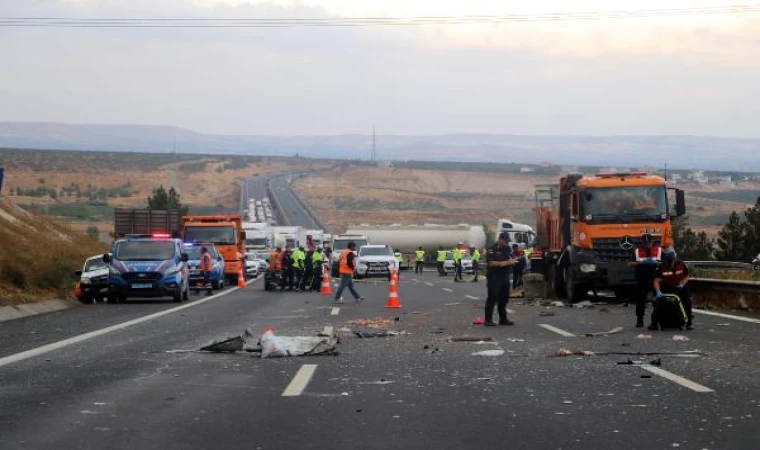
{"x": 79, "y": 22}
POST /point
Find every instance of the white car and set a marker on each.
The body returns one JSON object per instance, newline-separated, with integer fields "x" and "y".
{"x": 252, "y": 265}
{"x": 448, "y": 266}
{"x": 375, "y": 260}
{"x": 93, "y": 279}
{"x": 263, "y": 259}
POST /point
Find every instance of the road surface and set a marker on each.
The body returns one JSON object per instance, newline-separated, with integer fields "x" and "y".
{"x": 126, "y": 387}
{"x": 293, "y": 211}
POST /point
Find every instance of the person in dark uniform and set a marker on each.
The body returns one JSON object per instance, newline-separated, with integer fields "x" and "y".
{"x": 671, "y": 278}
{"x": 288, "y": 271}
{"x": 647, "y": 257}
{"x": 499, "y": 264}
{"x": 308, "y": 270}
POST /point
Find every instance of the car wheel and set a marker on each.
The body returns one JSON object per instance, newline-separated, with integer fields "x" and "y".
{"x": 177, "y": 296}
{"x": 121, "y": 298}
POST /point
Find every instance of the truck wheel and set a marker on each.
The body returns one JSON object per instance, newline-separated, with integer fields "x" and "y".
{"x": 576, "y": 291}
{"x": 558, "y": 282}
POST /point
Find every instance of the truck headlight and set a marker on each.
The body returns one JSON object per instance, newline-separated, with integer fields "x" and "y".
{"x": 588, "y": 268}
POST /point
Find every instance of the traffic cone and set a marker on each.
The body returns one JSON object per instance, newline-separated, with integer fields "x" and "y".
{"x": 325, "y": 290}
{"x": 393, "y": 301}
{"x": 241, "y": 279}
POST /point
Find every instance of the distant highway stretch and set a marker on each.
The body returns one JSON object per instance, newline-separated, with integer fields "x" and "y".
{"x": 289, "y": 208}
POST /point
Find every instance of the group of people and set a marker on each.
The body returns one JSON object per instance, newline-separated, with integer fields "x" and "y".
{"x": 300, "y": 269}
{"x": 658, "y": 271}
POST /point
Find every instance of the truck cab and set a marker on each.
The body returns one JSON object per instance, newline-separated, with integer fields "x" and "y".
{"x": 227, "y": 235}
{"x": 147, "y": 266}
{"x": 340, "y": 243}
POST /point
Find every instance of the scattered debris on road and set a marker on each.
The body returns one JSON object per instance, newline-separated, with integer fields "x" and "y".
{"x": 378, "y": 322}
{"x": 606, "y": 333}
{"x": 546, "y": 313}
{"x": 489, "y": 353}
{"x": 679, "y": 337}
{"x": 225, "y": 345}
{"x": 471, "y": 339}
{"x": 584, "y": 304}
{"x": 478, "y": 321}
{"x": 276, "y": 346}
{"x": 376, "y": 334}
{"x": 644, "y": 336}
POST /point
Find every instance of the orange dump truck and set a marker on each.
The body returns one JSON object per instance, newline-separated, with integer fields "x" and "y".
{"x": 589, "y": 226}
{"x": 227, "y": 235}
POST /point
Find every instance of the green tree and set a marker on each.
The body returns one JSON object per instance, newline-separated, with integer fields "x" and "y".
{"x": 752, "y": 231}
{"x": 162, "y": 199}
{"x": 731, "y": 240}
{"x": 93, "y": 232}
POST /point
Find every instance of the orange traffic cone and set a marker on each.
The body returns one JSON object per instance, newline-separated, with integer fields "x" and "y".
{"x": 241, "y": 279}
{"x": 393, "y": 301}
{"x": 325, "y": 290}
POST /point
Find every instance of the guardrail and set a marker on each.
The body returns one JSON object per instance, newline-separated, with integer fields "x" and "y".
{"x": 729, "y": 285}
{"x": 720, "y": 265}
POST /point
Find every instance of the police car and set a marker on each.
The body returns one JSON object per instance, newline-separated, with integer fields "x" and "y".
{"x": 147, "y": 266}
{"x": 216, "y": 276}
{"x": 93, "y": 280}
{"x": 375, "y": 260}
{"x": 448, "y": 266}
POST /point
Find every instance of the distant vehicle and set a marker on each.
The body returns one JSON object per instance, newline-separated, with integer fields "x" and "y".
{"x": 340, "y": 243}
{"x": 146, "y": 221}
{"x": 375, "y": 260}
{"x": 147, "y": 266}
{"x": 519, "y": 233}
{"x": 252, "y": 265}
{"x": 194, "y": 260}
{"x": 93, "y": 280}
{"x": 448, "y": 266}
{"x": 263, "y": 259}
{"x": 408, "y": 238}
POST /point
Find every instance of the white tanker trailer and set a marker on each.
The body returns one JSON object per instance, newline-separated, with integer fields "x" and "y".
{"x": 407, "y": 238}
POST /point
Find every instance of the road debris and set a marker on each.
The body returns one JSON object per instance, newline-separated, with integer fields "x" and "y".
{"x": 584, "y": 304}
{"x": 657, "y": 362}
{"x": 558, "y": 304}
{"x": 489, "y": 353}
{"x": 225, "y": 345}
{"x": 452, "y": 304}
{"x": 471, "y": 339}
{"x": 679, "y": 337}
{"x": 606, "y": 333}
{"x": 478, "y": 321}
{"x": 276, "y": 346}
{"x": 644, "y": 336}
{"x": 375, "y": 334}
{"x": 379, "y": 322}
{"x": 546, "y": 313}
{"x": 381, "y": 382}
{"x": 646, "y": 376}
{"x": 516, "y": 340}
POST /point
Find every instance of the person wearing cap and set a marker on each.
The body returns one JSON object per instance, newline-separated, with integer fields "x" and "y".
{"x": 672, "y": 278}
{"x": 646, "y": 258}
{"x": 475, "y": 263}
{"x": 346, "y": 268}
{"x": 456, "y": 253}
{"x": 499, "y": 264}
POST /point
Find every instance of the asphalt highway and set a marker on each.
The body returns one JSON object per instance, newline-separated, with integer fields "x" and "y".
{"x": 81, "y": 385}
{"x": 291, "y": 208}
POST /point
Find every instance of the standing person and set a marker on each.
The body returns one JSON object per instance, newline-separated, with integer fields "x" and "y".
{"x": 298, "y": 265}
{"x": 475, "y": 263}
{"x": 346, "y": 268}
{"x": 671, "y": 278}
{"x": 308, "y": 270}
{"x": 419, "y": 258}
{"x": 287, "y": 269}
{"x": 206, "y": 266}
{"x": 328, "y": 257}
{"x": 275, "y": 265}
{"x": 517, "y": 272}
{"x": 646, "y": 257}
{"x": 317, "y": 258}
{"x": 499, "y": 263}
{"x": 456, "y": 253}
{"x": 440, "y": 261}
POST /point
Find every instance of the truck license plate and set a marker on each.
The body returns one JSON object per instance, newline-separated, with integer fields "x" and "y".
{"x": 141, "y": 285}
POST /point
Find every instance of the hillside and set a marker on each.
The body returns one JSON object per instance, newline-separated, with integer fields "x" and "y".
{"x": 699, "y": 152}
{"x": 38, "y": 256}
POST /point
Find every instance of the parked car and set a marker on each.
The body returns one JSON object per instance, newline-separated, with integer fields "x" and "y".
{"x": 93, "y": 280}
{"x": 263, "y": 258}
{"x": 194, "y": 260}
{"x": 252, "y": 265}
{"x": 375, "y": 260}
{"x": 448, "y": 266}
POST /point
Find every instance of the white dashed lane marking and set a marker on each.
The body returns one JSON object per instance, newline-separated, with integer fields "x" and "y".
{"x": 300, "y": 381}
{"x": 554, "y": 329}
{"x": 696, "y": 387}
{"x": 727, "y": 316}
{"x": 335, "y": 311}
{"x": 448, "y": 290}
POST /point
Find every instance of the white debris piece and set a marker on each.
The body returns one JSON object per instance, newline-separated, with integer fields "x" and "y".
{"x": 679, "y": 337}
{"x": 489, "y": 353}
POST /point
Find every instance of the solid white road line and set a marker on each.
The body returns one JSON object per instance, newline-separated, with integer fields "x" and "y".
{"x": 556, "y": 330}
{"x": 93, "y": 334}
{"x": 471, "y": 297}
{"x": 300, "y": 381}
{"x": 726, "y": 316}
{"x": 429, "y": 283}
{"x": 335, "y": 311}
{"x": 696, "y": 387}
{"x": 448, "y": 290}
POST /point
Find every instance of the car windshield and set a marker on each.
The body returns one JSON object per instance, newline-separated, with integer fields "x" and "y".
{"x": 375, "y": 251}
{"x": 343, "y": 243}
{"x": 194, "y": 252}
{"x": 629, "y": 203}
{"x": 144, "y": 251}
{"x": 95, "y": 264}
{"x": 215, "y": 235}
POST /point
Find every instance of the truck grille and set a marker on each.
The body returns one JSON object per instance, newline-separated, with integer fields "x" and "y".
{"x": 142, "y": 276}
{"x": 609, "y": 249}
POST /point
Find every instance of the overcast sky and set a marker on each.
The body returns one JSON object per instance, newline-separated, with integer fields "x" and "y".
{"x": 677, "y": 75}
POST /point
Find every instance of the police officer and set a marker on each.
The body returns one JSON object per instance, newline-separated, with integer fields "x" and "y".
{"x": 287, "y": 269}
{"x": 457, "y": 255}
{"x": 298, "y": 265}
{"x": 499, "y": 263}
{"x": 316, "y": 262}
{"x": 419, "y": 258}
{"x": 475, "y": 262}
{"x": 647, "y": 256}
{"x": 308, "y": 270}
{"x": 440, "y": 260}
{"x": 671, "y": 278}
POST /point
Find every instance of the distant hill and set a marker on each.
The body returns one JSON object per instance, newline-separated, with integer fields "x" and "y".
{"x": 699, "y": 152}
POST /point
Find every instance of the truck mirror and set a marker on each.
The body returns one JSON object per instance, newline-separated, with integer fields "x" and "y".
{"x": 680, "y": 203}
{"x": 242, "y": 235}
{"x": 107, "y": 258}
{"x": 184, "y": 257}
{"x": 78, "y": 273}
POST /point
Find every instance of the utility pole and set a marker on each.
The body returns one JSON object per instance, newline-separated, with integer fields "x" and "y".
{"x": 373, "y": 158}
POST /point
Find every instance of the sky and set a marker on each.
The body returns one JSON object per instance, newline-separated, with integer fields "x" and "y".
{"x": 676, "y": 75}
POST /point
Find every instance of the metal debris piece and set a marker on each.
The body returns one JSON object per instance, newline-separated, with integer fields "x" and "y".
{"x": 545, "y": 313}
{"x": 225, "y": 345}
{"x": 584, "y": 304}
{"x": 679, "y": 337}
{"x": 606, "y": 333}
{"x": 374, "y": 334}
{"x": 471, "y": 339}
{"x": 656, "y": 362}
{"x": 379, "y": 322}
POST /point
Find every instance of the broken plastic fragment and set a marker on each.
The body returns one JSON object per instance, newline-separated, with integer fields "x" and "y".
{"x": 489, "y": 353}
{"x": 478, "y": 321}
{"x": 228, "y": 345}
{"x": 679, "y": 337}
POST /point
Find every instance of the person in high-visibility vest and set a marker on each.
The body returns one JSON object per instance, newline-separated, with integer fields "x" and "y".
{"x": 206, "y": 266}
{"x": 317, "y": 263}
{"x": 419, "y": 258}
{"x": 457, "y": 254}
{"x": 298, "y": 258}
{"x": 475, "y": 262}
{"x": 440, "y": 261}
{"x": 346, "y": 268}
{"x": 308, "y": 270}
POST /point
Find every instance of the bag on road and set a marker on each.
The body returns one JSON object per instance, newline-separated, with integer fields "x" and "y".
{"x": 276, "y": 346}
{"x": 669, "y": 312}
